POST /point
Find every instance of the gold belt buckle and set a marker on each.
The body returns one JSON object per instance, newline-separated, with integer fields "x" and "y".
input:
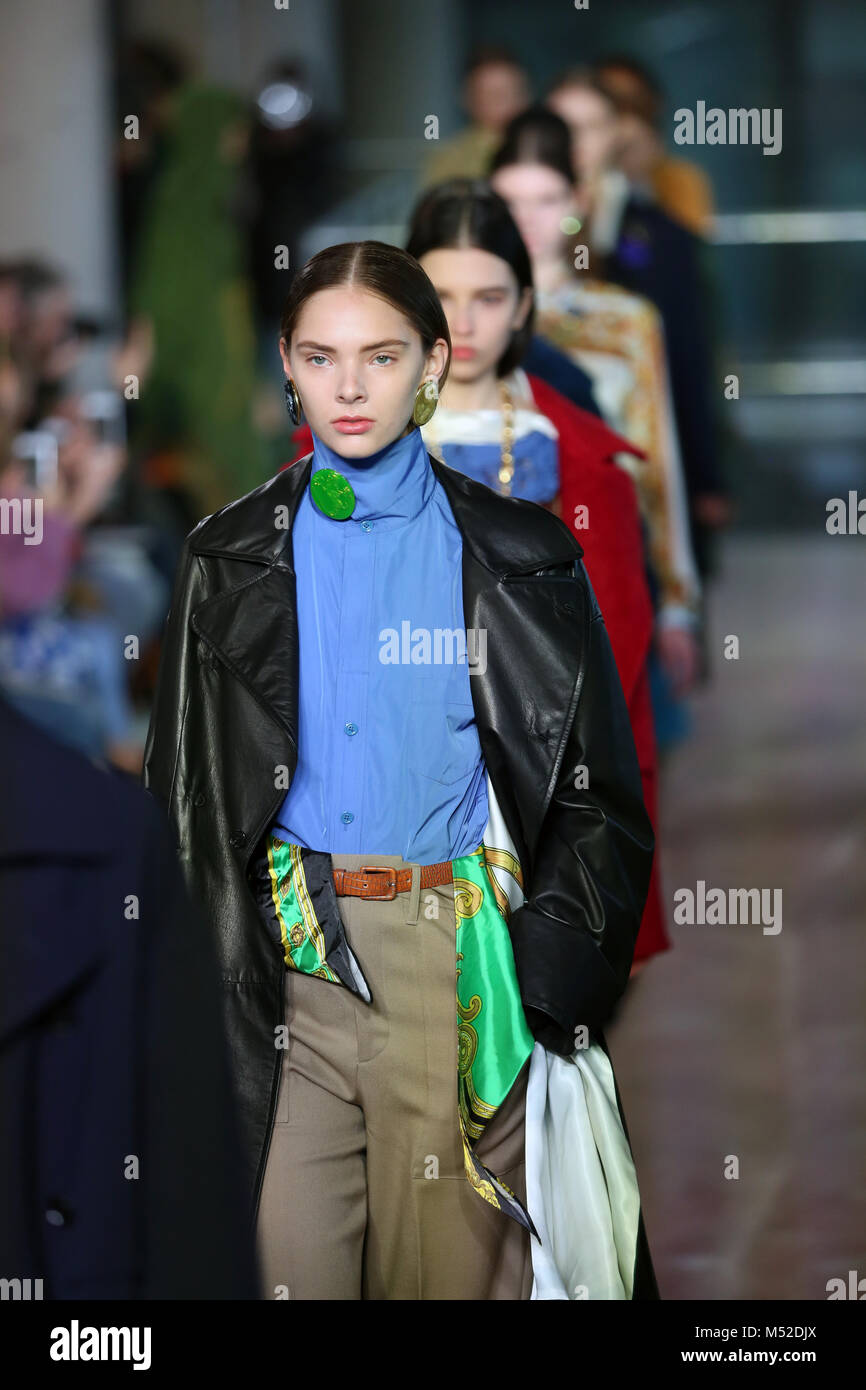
{"x": 392, "y": 886}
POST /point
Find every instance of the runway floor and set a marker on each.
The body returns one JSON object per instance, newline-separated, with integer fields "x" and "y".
{"x": 738, "y": 1042}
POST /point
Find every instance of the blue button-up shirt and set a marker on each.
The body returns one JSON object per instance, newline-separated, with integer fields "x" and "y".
{"x": 389, "y": 759}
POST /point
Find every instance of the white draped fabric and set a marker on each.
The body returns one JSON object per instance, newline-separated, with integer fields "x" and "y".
{"x": 581, "y": 1185}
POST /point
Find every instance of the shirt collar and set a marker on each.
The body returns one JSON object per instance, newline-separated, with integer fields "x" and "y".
{"x": 391, "y": 487}
{"x": 611, "y": 197}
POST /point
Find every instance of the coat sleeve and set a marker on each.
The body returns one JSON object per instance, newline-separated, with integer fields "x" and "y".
{"x": 175, "y": 678}
{"x": 574, "y": 937}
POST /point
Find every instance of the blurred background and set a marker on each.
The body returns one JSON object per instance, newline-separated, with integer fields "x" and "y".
{"x": 166, "y": 167}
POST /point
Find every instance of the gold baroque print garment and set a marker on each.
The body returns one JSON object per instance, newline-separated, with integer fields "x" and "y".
{"x": 618, "y": 338}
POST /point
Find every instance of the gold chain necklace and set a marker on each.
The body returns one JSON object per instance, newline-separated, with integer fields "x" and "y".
{"x": 506, "y": 469}
{"x": 506, "y": 466}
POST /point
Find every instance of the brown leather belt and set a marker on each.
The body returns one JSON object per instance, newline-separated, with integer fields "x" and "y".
{"x": 355, "y": 883}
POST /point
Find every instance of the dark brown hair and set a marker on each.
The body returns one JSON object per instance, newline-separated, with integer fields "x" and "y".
{"x": 491, "y": 55}
{"x": 386, "y": 271}
{"x": 537, "y": 136}
{"x": 467, "y": 212}
{"x": 631, "y": 87}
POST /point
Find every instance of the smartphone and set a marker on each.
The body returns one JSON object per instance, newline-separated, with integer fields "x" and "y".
{"x": 105, "y": 411}
{"x": 37, "y": 450}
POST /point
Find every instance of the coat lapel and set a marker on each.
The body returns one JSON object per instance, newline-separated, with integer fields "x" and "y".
{"x": 253, "y": 626}
{"x": 254, "y": 630}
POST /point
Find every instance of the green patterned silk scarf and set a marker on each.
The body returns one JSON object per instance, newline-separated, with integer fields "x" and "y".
{"x": 494, "y": 1039}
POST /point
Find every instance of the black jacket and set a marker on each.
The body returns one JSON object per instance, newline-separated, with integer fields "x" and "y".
{"x": 225, "y": 722}
{"x": 112, "y": 1047}
{"x": 543, "y": 359}
{"x": 657, "y": 257}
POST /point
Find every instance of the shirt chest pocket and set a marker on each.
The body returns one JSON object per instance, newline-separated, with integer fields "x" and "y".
{"x": 441, "y": 735}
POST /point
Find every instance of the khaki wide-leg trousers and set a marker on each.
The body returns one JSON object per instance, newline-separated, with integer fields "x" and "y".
{"x": 364, "y": 1194}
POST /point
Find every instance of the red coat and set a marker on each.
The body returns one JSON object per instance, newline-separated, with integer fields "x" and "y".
{"x": 614, "y": 559}
{"x": 613, "y": 549}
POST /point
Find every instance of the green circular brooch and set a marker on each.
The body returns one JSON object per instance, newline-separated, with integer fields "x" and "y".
{"x": 332, "y": 493}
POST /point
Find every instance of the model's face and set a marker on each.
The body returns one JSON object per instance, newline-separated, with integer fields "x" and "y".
{"x": 495, "y": 93}
{"x": 639, "y": 147}
{"x": 483, "y": 304}
{"x": 354, "y": 357}
{"x": 539, "y": 199}
{"x": 593, "y": 125}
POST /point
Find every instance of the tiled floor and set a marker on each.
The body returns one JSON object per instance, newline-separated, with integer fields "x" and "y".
{"x": 738, "y": 1042}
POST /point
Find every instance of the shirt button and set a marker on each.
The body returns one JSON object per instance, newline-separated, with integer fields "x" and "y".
{"x": 351, "y": 728}
{"x": 367, "y": 525}
{"x": 347, "y": 816}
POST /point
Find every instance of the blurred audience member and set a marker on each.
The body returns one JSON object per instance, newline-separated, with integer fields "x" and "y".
{"x": 195, "y": 411}
{"x": 150, "y": 73}
{"x": 120, "y": 1167}
{"x": 61, "y": 653}
{"x": 15, "y": 388}
{"x": 40, "y": 339}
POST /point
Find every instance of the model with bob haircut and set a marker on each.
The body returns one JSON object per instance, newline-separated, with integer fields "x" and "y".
{"x": 391, "y": 738}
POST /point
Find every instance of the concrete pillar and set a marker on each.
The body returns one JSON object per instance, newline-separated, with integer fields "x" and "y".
{"x": 55, "y": 153}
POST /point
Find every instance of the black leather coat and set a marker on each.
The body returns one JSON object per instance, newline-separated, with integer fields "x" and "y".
{"x": 225, "y": 722}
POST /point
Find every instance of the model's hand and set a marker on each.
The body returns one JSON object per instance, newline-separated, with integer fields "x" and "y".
{"x": 679, "y": 655}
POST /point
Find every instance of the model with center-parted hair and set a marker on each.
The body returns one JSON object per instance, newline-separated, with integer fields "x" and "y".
{"x": 393, "y": 744}
{"x": 504, "y": 426}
